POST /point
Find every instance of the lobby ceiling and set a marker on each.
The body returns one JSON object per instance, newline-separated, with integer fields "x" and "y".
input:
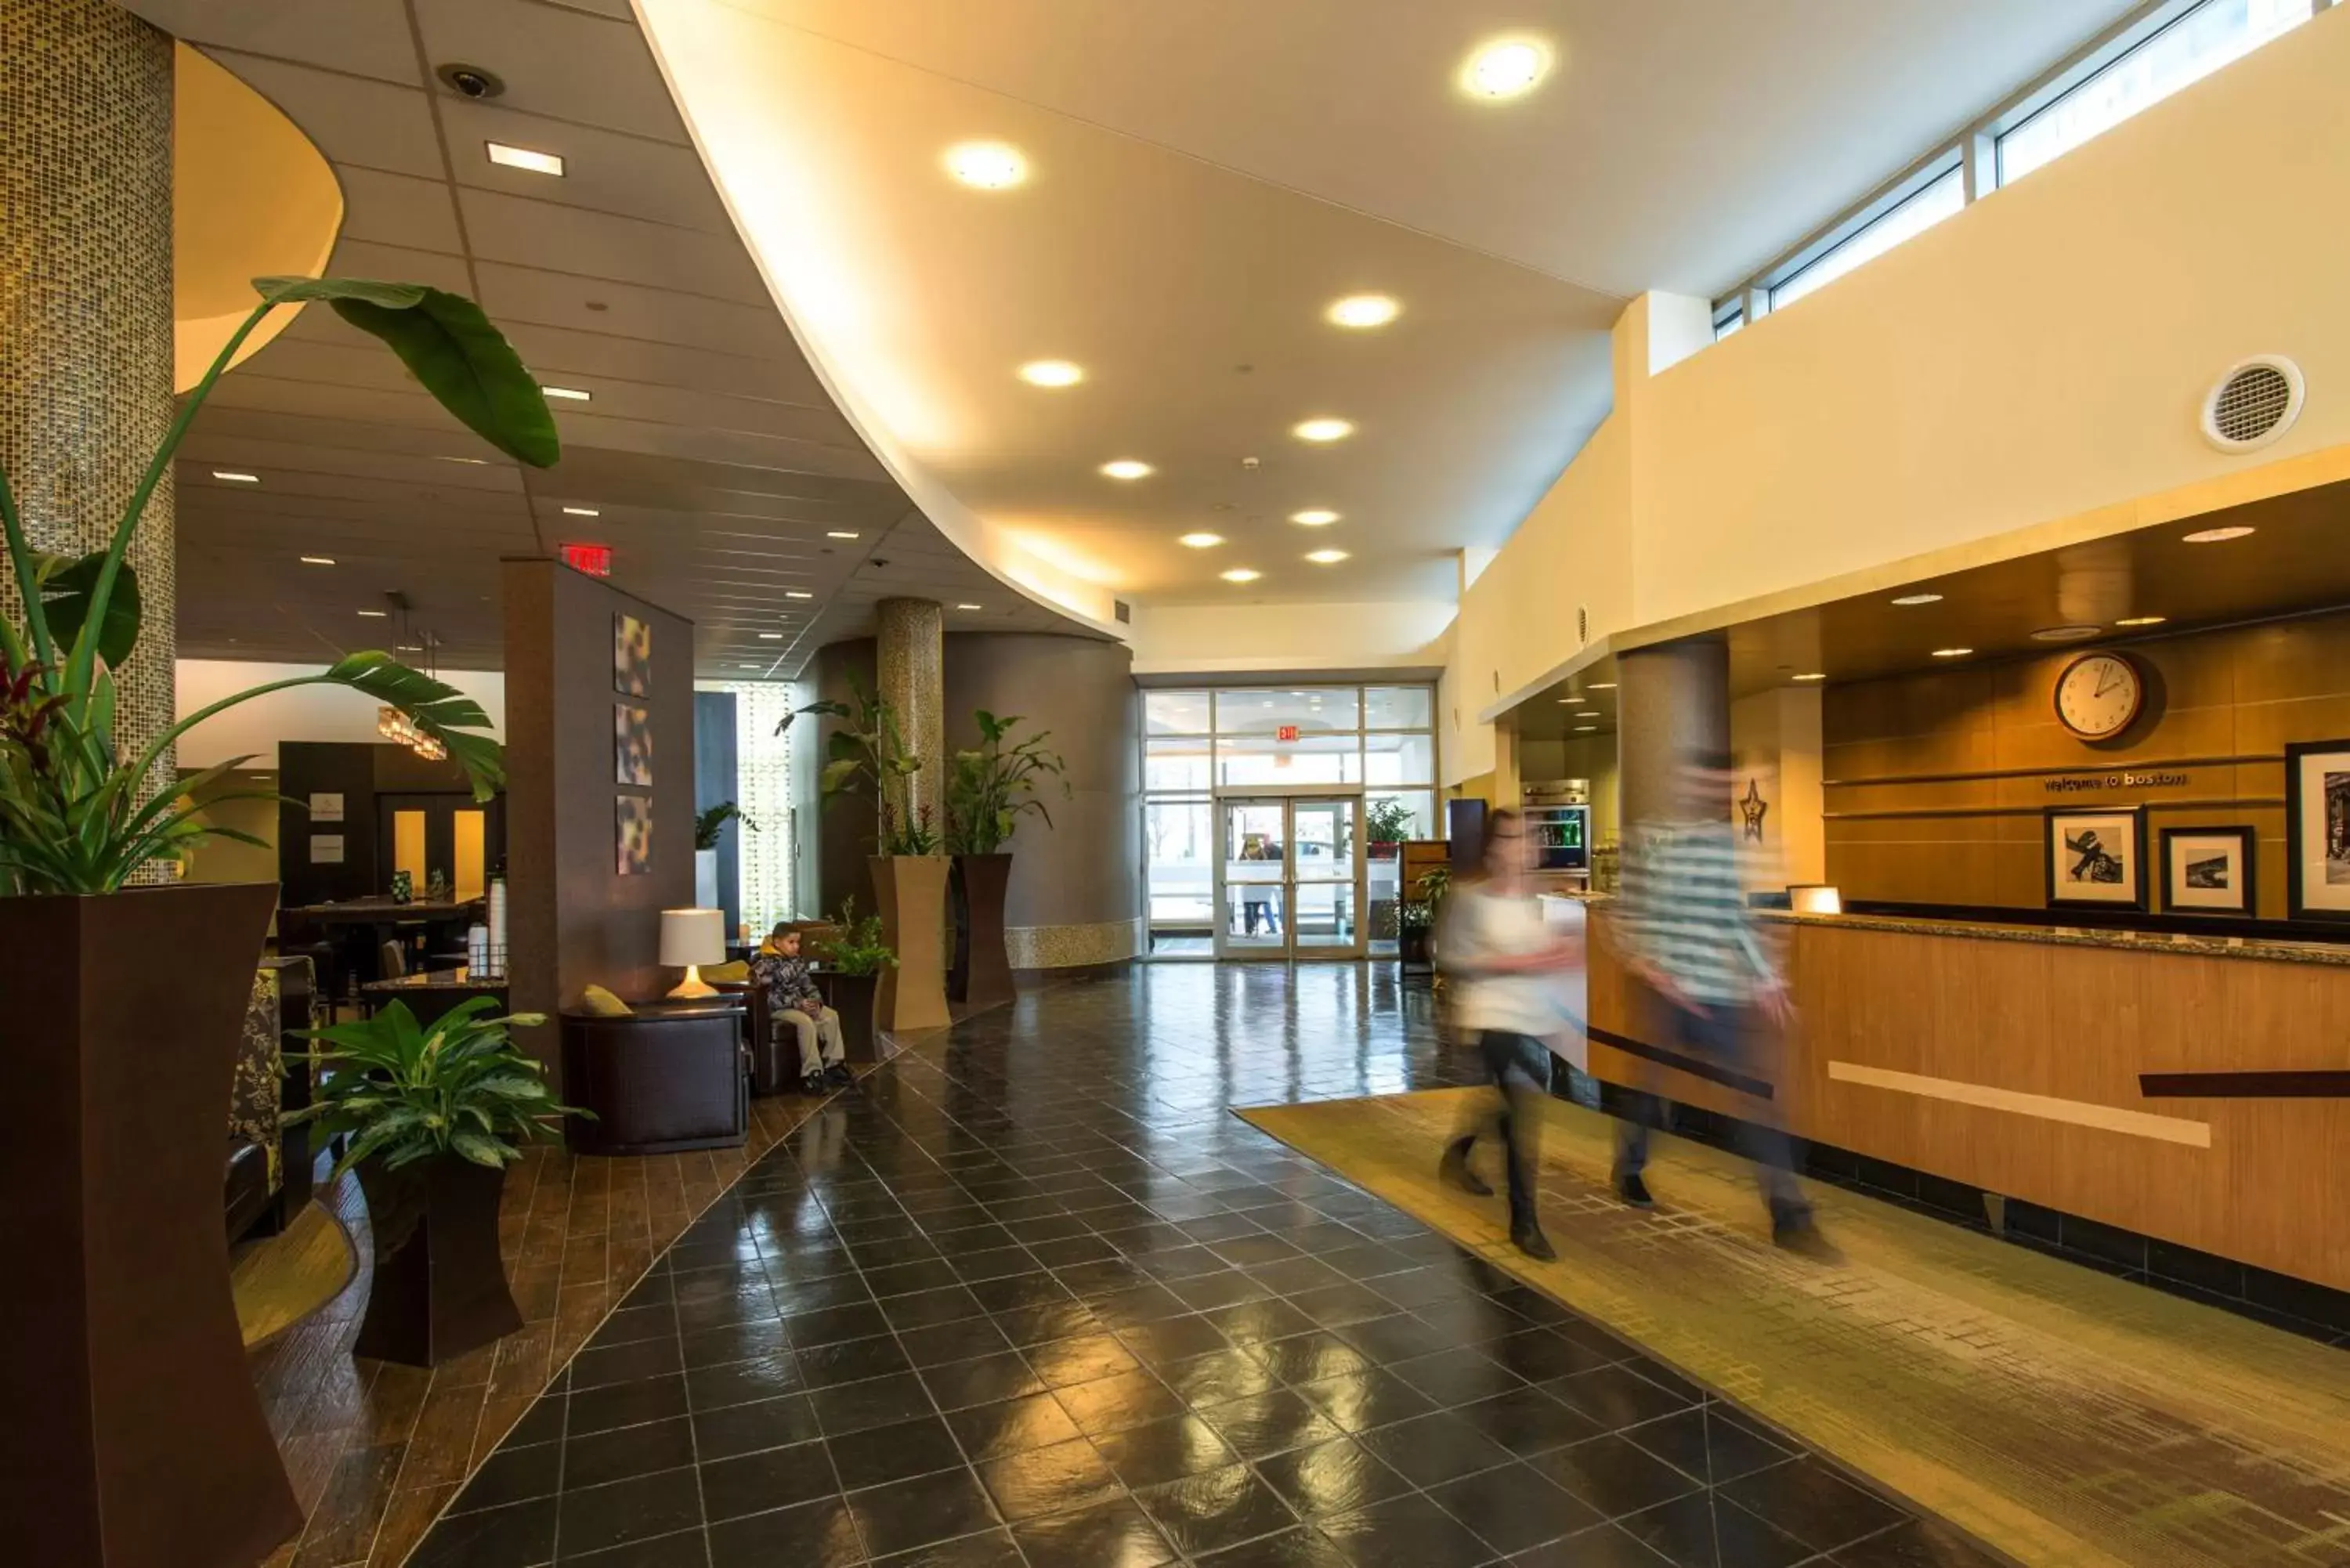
{"x": 1202, "y": 180}
{"x": 716, "y": 465}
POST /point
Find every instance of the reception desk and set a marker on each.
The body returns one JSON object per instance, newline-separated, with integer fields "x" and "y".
{"x": 2193, "y": 1090}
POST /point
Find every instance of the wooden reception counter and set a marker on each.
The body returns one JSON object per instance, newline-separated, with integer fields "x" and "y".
{"x": 2195, "y": 1090}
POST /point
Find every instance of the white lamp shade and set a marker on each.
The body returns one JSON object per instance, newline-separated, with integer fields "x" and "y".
{"x": 692, "y": 937}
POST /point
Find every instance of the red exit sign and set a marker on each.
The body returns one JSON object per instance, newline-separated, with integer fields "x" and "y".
{"x": 595, "y": 560}
{"x": 1286, "y": 733}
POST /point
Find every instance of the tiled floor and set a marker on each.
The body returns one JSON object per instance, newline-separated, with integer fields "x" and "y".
{"x": 1032, "y": 1295}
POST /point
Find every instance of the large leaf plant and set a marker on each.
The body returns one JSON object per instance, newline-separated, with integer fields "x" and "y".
{"x": 401, "y": 1091}
{"x": 994, "y": 783}
{"x": 78, "y": 814}
{"x": 867, "y": 755}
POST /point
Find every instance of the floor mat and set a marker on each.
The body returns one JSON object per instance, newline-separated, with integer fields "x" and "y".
{"x": 2063, "y": 1416}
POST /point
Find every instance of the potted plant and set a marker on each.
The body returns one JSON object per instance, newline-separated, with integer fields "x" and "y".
{"x": 865, "y": 756}
{"x": 1385, "y": 825}
{"x": 709, "y": 826}
{"x": 991, "y": 785}
{"x": 134, "y": 996}
{"x": 1417, "y": 919}
{"x": 434, "y": 1115}
{"x": 855, "y": 957}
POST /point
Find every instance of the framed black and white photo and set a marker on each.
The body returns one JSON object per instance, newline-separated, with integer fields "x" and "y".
{"x": 2206, "y": 870}
{"x": 2317, "y": 830}
{"x": 2096, "y": 859}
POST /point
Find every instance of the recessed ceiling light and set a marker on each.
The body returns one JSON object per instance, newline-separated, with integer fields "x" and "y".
{"x": 1242, "y": 575}
{"x": 1603, "y": 686}
{"x": 797, "y": 593}
{"x": 407, "y": 648}
{"x": 235, "y": 477}
{"x": 1201, "y": 541}
{"x": 1952, "y": 652}
{"x": 1813, "y": 675}
{"x": 525, "y": 159}
{"x": 2066, "y": 633}
{"x": 1314, "y": 517}
{"x": 1127, "y": 468}
{"x": 1051, "y": 373}
{"x": 1586, "y": 729}
{"x": 1505, "y": 68}
{"x": 375, "y": 614}
{"x": 1918, "y": 599}
{"x": 581, "y": 512}
{"x": 770, "y": 637}
{"x": 746, "y": 667}
{"x": 317, "y": 560}
{"x": 2216, "y": 536}
{"x": 1363, "y": 310}
{"x": 987, "y": 165}
{"x": 2142, "y": 620}
{"x": 840, "y": 533}
{"x": 1325, "y": 558}
{"x": 1322, "y": 430}
{"x": 966, "y": 607}
{"x": 568, "y": 394}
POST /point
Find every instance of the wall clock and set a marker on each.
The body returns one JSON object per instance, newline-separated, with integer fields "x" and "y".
{"x": 2099, "y": 695}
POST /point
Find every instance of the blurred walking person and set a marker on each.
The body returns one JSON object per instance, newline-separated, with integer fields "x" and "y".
{"x": 1688, "y": 932}
{"x": 1501, "y": 963}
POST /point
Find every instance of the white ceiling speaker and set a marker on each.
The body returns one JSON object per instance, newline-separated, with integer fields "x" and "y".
{"x": 2253, "y": 404}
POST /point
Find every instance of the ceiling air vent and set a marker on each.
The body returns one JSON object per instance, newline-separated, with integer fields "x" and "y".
{"x": 1582, "y": 625}
{"x": 2254, "y": 403}
{"x": 1123, "y": 610}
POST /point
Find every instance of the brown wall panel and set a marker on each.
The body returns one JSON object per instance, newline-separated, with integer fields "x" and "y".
{"x": 1919, "y": 765}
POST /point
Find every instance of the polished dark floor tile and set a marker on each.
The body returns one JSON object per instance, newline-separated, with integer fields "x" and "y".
{"x": 1031, "y": 1295}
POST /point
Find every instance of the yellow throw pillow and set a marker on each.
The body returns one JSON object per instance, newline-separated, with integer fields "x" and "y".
{"x": 733, "y": 972}
{"x": 597, "y": 1002}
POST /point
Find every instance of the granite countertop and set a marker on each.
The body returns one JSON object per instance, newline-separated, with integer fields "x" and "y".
{"x": 458, "y": 978}
{"x": 2191, "y": 943}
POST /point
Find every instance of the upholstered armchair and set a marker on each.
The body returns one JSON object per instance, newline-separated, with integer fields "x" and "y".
{"x": 269, "y": 1170}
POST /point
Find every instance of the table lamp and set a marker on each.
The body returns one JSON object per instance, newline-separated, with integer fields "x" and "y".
{"x": 692, "y": 938}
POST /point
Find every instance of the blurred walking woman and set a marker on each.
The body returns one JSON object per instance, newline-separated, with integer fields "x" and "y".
{"x": 1499, "y": 960}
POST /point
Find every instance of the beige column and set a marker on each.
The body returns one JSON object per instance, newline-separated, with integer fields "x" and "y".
{"x": 86, "y": 304}
{"x": 910, "y": 672}
{"x": 1673, "y": 702}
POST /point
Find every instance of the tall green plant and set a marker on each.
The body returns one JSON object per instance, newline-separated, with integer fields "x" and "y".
{"x": 1388, "y": 822}
{"x": 713, "y": 821}
{"x": 855, "y": 946}
{"x": 994, "y": 783}
{"x": 867, "y": 756}
{"x": 405, "y": 1092}
{"x": 79, "y": 816}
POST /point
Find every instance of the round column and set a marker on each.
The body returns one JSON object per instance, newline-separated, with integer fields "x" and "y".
{"x": 85, "y": 307}
{"x": 1673, "y": 705}
{"x": 911, "y": 678}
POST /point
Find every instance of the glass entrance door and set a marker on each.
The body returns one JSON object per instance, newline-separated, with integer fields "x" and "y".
{"x": 1289, "y": 877}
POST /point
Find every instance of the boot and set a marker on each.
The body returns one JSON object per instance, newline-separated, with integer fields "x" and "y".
{"x": 1453, "y": 1168}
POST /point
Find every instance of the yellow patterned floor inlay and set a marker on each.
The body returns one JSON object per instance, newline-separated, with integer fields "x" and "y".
{"x": 2063, "y": 1416}
{"x": 280, "y": 1280}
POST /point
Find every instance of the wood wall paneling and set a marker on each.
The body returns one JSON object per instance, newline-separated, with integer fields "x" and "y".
{"x": 1937, "y": 780}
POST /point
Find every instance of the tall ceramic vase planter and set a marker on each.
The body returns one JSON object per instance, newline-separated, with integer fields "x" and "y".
{"x": 980, "y": 975}
{"x": 134, "y": 1436}
{"x": 440, "y": 1287}
{"x": 911, "y": 893}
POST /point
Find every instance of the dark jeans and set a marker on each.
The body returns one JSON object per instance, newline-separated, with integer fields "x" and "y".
{"x": 1744, "y": 1040}
{"x": 1521, "y": 1070}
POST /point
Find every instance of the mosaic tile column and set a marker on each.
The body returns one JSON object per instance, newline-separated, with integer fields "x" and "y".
{"x": 86, "y": 304}
{"x": 911, "y": 678}
{"x": 1674, "y": 702}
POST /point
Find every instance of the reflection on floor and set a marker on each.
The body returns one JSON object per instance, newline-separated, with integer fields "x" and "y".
{"x": 375, "y": 1450}
{"x": 280, "y": 1280}
{"x": 2063, "y": 1415}
{"x": 1033, "y": 1295}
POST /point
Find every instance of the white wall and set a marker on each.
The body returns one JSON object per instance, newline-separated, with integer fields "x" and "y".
{"x": 2027, "y": 373}
{"x": 1286, "y": 638}
{"x": 305, "y": 713}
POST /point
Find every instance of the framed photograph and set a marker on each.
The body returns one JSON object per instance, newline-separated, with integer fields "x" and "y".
{"x": 632, "y": 745}
{"x": 2206, "y": 870}
{"x": 2317, "y": 830}
{"x": 632, "y": 656}
{"x": 2096, "y": 859}
{"x": 632, "y": 816}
